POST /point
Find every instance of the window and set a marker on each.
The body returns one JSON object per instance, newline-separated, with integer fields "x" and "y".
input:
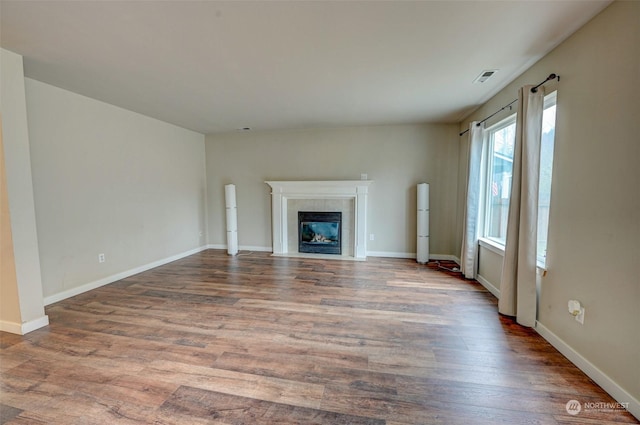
{"x": 546, "y": 169}
{"x": 498, "y": 166}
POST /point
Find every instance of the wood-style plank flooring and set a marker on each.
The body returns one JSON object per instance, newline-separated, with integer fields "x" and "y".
{"x": 255, "y": 339}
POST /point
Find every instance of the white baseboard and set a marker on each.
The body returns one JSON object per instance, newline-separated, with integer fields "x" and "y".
{"x": 216, "y": 246}
{"x": 389, "y": 254}
{"x": 255, "y": 248}
{"x": 118, "y": 276}
{"x": 607, "y": 384}
{"x": 332, "y": 257}
{"x": 11, "y": 327}
{"x": 24, "y": 328}
{"x": 412, "y": 255}
{"x": 445, "y": 257}
{"x": 242, "y": 247}
{"x": 484, "y": 282}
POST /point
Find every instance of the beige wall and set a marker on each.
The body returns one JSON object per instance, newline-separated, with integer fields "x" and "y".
{"x": 9, "y": 297}
{"x": 594, "y": 220}
{"x": 19, "y": 191}
{"x": 395, "y": 157}
{"x": 107, "y": 180}
{"x": 490, "y": 268}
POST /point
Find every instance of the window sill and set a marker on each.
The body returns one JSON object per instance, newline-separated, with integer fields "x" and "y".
{"x": 491, "y": 246}
{"x": 497, "y": 248}
{"x": 541, "y": 268}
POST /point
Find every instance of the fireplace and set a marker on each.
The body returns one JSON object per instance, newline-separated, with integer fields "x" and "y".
{"x": 320, "y": 232}
{"x": 348, "y": 196}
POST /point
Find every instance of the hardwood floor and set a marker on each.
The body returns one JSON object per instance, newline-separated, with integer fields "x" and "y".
{"x": 255, "y": 339}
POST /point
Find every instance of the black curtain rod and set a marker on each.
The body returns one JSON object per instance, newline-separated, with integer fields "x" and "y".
{"x": 549, "y": 78}
{"x": 533, "y": 90}
{"x": 497, "y": 112}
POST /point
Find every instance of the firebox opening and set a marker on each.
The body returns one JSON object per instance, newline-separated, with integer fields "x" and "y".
{"x": 320, "y": 232}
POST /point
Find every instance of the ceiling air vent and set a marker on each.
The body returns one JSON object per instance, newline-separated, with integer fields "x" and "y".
{"x": 485, "y": 75}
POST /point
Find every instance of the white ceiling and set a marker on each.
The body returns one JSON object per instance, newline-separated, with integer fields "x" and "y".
{"x": 215, "y": 66}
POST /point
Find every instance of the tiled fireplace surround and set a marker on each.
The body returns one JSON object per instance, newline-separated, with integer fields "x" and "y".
{"x": 346, "y": 196}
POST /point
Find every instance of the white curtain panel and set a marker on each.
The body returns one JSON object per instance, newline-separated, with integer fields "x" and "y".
{"x": 518, "y": 283}
{"x": 469, "y": 255}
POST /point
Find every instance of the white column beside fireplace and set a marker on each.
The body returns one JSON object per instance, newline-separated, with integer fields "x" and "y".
{"x": 422, "y": 255}
{"x": 283, "y": 191}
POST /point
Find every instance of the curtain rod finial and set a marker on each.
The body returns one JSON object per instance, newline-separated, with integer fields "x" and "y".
{"x": 549, "y": 78}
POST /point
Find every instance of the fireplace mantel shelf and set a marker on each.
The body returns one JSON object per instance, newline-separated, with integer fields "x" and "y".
{"x": 319, "y": 187}
{"x": 282, "y": 191}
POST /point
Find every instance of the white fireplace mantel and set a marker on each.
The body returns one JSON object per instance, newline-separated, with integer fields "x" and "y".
{"x": 282, "y": 191}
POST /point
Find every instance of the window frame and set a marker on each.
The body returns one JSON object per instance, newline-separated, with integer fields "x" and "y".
{"x": 486, "y": 167}
{"x": 550, "y": 100}
{"x": 494, "y": 244}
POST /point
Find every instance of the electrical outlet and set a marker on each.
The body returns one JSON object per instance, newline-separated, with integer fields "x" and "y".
{"x": 576, "y": 310}
{"x": 364, "y": 176}
{"x": 101, "y": 258}
{"x": 372, "y": 237}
